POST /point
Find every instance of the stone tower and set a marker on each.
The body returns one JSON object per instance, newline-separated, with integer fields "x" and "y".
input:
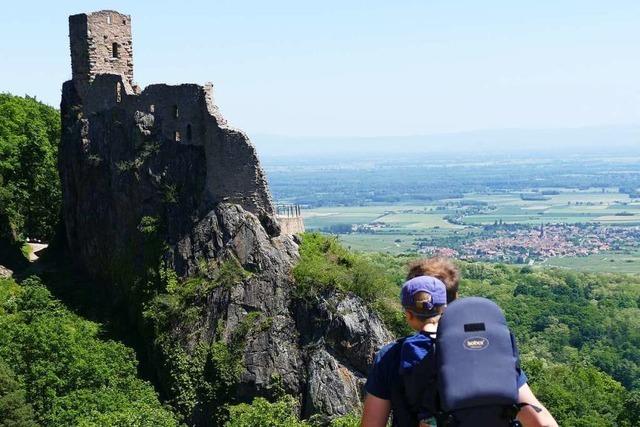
{"x": 100, "y": 44}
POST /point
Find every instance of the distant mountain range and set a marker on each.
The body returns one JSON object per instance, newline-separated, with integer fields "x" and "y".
{"x": 608, "y": 140}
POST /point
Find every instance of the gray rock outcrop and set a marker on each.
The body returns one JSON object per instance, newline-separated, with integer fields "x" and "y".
{"x": 5, "y": 273}
{"x": 157, "y": 175}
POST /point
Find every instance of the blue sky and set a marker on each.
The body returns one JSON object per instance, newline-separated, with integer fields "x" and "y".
{"x": 362, "y": 68}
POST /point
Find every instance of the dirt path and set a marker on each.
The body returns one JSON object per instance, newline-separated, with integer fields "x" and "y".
{"x": 35, "y": 247}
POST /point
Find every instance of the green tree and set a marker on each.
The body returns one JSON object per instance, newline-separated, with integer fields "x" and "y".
{"x": 14, "y": 409}
{"x": 630, "y": 415}
{"x": 580, "y": 396}
{"x": 282, "y": 413}
{"x": 71, "y": 376}
{"x": 30, "y": 195}
{"x": 264, "y": 413}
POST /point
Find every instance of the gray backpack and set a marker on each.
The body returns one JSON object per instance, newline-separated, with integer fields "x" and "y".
{"x": 471, "y": 379}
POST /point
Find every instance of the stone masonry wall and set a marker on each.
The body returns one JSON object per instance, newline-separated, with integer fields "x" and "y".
{"x": 185, "y": 115}
{"x": 291, "y": 225}
{"x": 100, "y": 44}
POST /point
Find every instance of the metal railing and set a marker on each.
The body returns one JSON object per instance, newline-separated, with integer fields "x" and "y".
{"x": 288, "y": 211}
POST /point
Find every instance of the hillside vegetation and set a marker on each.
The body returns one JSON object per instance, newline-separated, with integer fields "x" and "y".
{"x": 30, "y": 195}
{"x": 55, "y": 370}
{"x": 579, "y": 334}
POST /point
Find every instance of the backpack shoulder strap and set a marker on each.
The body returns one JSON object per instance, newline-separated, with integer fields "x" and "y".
{"x": 421, "y": 386}
{"x": 402, "y": 414}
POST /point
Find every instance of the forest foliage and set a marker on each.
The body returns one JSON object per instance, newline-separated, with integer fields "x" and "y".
{"x": 57, "y": 369}
{"x": 30, "y": 194}
{"x": 578, "y": 334}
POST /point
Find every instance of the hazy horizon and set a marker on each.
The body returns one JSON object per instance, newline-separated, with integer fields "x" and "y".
{"x": 553, "y": 142}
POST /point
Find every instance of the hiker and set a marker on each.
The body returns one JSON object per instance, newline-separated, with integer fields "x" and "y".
{"x": 432, "y": 284}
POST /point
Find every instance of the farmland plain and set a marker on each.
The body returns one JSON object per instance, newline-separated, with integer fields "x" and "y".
{"x": 397, "y": 228}
{"x": 574, "y": 210}
{"x": 571, "y": 206}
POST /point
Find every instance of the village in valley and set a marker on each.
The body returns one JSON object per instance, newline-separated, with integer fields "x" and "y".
{"x": 528, "y": 245}
{"x": 583, "y": 228}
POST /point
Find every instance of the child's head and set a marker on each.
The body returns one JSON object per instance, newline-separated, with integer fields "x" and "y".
{"x": 441, "y": 268}
{"x": 423, "y": 299}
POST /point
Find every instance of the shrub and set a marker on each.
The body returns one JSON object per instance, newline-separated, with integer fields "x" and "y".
{"x": 263, "y": 413}
{"x": 282, "y": 413}
{"x": 70, "y": 375}
{"x": 325, "y": 264}
{"x": 580, "y": 395}
{"x": 14, "y": 409}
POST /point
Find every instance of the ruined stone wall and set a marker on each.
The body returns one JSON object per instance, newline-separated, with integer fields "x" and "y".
{"x": 159, "y": 153}
{"x": 178, "y": 114}
{"x": 102, "y": 65}
{"x": 163, "y": 152}
{"x": 185, "y": 115}
{"x": 291, "y": 225}
{"x": 100, "y": 44}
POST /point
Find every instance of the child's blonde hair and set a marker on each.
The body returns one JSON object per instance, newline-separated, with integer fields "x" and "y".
{"x": 440, "y": 268}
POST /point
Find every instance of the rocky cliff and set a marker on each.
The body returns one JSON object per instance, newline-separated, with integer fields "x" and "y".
{"x": 168, "y": 206}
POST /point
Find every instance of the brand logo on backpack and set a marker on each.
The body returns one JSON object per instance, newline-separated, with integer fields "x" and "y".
{"x": 476, "y": 343}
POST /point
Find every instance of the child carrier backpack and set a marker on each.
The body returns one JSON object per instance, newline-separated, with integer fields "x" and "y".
{"x": 471, "y": 379}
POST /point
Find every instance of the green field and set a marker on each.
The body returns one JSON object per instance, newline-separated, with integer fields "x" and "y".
{"x": 572, "y": 206}
{"x": 567, "y": 207}
{"x": 378, "y": 243}
{"x": 417, "y": 221}
{"x": 394, "y": 228}
{"x": 611, "y": 262}
{"x": 315, "y": 219}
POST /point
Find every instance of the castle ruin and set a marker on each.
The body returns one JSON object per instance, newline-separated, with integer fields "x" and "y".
{"x": 156, "y": 184}
{"x": 290, "y": 219}
{"x": 102, "y": 76}
{"x": 167, "y": 139}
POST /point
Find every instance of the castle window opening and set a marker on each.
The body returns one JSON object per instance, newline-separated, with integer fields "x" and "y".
{"x": 114, "y": 50}
{"x": 108, "y": 19}
{"x": 176, "y": 112}
{"x": 176, "y": 136}
{"x": 118, "y": 92}
{"x": 189, "y": 133}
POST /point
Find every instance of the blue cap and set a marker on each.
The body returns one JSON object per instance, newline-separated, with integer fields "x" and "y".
{"x": 432, "y": 286}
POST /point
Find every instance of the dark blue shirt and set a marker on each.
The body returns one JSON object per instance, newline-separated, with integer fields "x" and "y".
{"x": 397, "y": 356}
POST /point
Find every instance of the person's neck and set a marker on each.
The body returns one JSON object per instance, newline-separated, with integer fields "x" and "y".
{"x": 430, "y": 327}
